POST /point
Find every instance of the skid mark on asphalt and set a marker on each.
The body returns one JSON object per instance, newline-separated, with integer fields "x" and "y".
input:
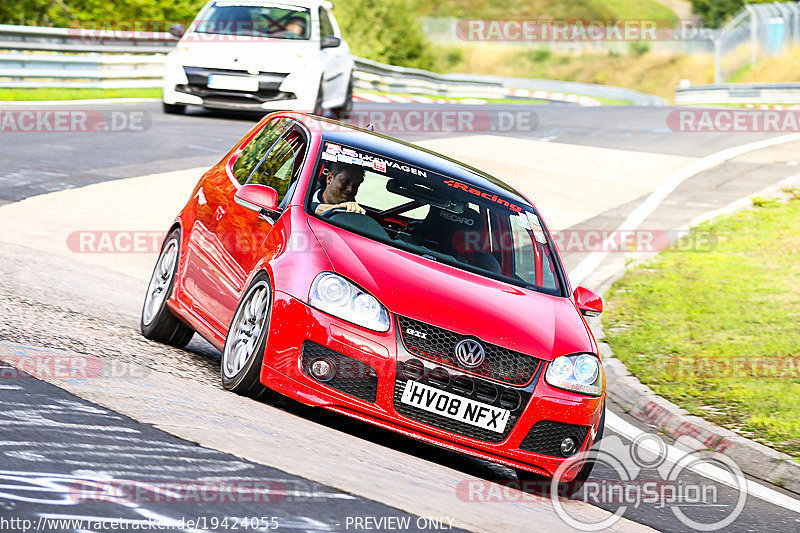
{"x": 67, "y": 459}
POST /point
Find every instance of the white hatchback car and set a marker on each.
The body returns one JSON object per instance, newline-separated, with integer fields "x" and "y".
{"x": 260, "y": 55}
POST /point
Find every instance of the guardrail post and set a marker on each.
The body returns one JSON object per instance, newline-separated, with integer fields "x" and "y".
{"x": 795, "y": 8}
{"x": 753, "y": 33}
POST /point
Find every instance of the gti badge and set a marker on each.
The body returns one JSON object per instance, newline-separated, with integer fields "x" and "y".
{"x": 470, "y": 353}
{"x": 416, "y": 333}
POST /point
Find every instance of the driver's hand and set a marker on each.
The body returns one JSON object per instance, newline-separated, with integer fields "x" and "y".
{"x": 351, "y": 207}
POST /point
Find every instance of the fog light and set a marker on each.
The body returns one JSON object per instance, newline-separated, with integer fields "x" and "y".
{"x": 323, "y": 370}
{"x": 568, "y": 446}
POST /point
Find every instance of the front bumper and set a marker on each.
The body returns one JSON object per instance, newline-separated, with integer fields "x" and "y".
{"x": 276, "y": 91}
{"x": 376, "y": 379}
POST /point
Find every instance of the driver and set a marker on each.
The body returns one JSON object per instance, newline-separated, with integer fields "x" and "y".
{"x": 341, "y": 186}
{"x": 297, "y": 26}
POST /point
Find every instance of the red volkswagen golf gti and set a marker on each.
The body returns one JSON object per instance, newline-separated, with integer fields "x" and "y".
{"x": 359, "y": 273}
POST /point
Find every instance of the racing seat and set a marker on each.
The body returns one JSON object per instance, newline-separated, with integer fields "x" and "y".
{"x": 463, "y": 236}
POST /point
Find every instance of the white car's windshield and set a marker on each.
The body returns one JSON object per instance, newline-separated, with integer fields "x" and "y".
{"x": 445, "y": 219}
{"x": 256, "y": 20}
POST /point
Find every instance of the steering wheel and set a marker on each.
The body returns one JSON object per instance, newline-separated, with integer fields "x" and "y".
{"x": 333, "y": 211}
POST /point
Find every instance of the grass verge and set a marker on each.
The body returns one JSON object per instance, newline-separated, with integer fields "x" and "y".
{"x": 637, "y": 68}
{"x": 53, "y": 93}
{"x": 546, "y": 9}
{"x": 715, "y": 329}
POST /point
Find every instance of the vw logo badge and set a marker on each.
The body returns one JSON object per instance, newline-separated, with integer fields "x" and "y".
{"x": 470, "y": 353}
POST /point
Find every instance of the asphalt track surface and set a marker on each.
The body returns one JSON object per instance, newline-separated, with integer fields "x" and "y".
{"x": 36, "y": 163}
{"x": 69, "y": 431}
{"x": 55, "y": 443}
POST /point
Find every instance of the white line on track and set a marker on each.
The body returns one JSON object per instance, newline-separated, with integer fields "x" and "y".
{"x": 651, "y": 203}
{"x": 675, "y": 456}
{"x": 591, "y": 263}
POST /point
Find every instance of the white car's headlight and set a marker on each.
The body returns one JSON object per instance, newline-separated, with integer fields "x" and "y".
{"x": 337, "y": 296}
{"x": 581, "y": 373}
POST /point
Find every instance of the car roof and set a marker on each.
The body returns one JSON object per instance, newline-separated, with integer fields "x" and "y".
{"x": 350, "y": 135}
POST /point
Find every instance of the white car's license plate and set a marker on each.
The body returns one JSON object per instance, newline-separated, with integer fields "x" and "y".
{"x": 232, "y": 83}
{"x": 456, "y": 407}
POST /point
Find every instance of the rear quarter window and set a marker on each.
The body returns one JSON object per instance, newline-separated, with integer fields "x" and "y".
{"x": 256, "y": 149}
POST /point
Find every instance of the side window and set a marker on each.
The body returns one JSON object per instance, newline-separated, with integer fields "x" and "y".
{"x": 256, "y": 148}
{"x": 280, "y": 167}
{"x": 325, "y": 26}
{"x": 524, "y": 255}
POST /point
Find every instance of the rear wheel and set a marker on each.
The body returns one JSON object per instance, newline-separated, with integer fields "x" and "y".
{"x": 173, "y": 109}
{"x": 567, "y": 489}
{"x": 243, "y": 352}
{"x": 157, "y": 322}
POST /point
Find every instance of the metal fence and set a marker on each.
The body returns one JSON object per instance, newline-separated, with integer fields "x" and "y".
{"x": 65, "y": 57}
{"x": 757, "y": 32}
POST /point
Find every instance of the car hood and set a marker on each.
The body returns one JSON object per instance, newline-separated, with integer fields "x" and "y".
{"x": 264, "y": 55}
{"x": 538, "y": 324}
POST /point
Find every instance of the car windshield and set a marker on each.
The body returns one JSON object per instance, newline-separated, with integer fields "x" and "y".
{"x": 274, "y": 21}
{"x": 436, "y": 216}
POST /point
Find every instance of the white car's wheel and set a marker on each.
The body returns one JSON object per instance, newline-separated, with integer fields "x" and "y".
{"x": 173, "y": 109}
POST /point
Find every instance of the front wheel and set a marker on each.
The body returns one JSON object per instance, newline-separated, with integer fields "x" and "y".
{"x": 342, "y": 112}
{"x": 244, "y": 347}
{"x": 173, "y": 109}
{"x": 318, "y": 109}
{"x": 157, "y": 322}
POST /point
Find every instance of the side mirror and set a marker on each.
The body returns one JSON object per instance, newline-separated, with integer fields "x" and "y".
{"x": 177, "y": 30}
{"x": 258, "y": 198}
{"x": 588, "y": 303}
{"x": 330, "y": 42}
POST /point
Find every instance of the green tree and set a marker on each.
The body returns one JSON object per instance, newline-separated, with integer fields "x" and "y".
{"x": 384, "y": 30}
{"x": 63, "y": 13}
{"x": 715, "y": 13}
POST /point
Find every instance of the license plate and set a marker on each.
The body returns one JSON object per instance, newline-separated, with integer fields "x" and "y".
{"x": 232, "y": 83}
{"x": 455, "y": 407}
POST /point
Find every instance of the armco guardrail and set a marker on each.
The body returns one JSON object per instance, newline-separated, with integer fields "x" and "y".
{"x": 66, "y": 57}
{"x": 373, "y": 75}
{"x": 739, "y": 93}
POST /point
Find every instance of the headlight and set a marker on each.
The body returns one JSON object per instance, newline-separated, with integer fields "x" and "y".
{"x": 337, "y": 296}
{"x": 577, "y": 373}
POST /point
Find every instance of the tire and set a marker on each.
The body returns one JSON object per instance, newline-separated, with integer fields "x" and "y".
{"x": 565, "y": 490}
{"x": 318, "y": 109}
{"x": 243, "y": 353}
{"x": 157, "y": 322}
{"x": 173, "y": 109}
{"x": 342, "y": 112}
